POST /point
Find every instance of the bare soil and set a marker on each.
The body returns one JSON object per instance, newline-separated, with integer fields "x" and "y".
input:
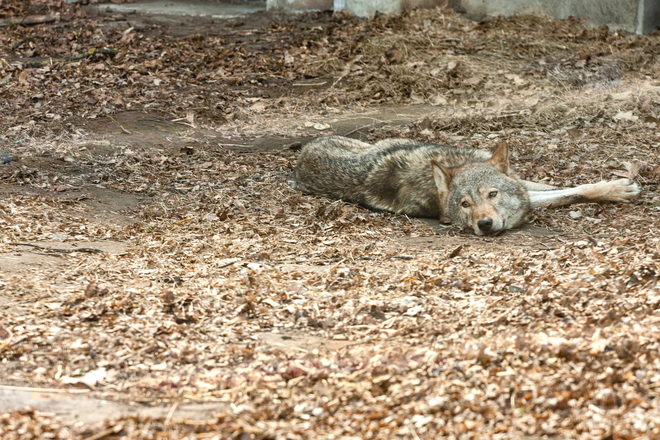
{"x": 160, "y": 278}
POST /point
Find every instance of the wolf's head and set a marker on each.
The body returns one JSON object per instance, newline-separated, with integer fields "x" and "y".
{"x": 484, "y": 196}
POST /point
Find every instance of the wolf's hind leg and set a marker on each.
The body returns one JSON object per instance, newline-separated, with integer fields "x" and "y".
{"x": 620, "y": 190}
{"x": 535, "y": 186}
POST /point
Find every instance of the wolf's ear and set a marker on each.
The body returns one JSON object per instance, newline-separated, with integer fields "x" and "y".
{"x": 442, "y": 176}
{"x": 500, "y": 158}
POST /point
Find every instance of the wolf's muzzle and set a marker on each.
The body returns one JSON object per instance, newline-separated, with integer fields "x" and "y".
{"x": 485, "y": 224}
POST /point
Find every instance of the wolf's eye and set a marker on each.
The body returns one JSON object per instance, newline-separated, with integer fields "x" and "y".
{"x": 492, "y": 194}
{"x": 465, "y": 204}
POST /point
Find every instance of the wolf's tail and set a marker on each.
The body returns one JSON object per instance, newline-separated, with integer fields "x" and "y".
{"x": 333, "y": 166}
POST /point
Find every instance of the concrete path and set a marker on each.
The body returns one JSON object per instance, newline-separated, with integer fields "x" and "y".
{"x": 194, "y": 8}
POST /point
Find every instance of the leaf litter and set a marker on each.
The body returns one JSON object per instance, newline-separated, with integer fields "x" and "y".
{"x": 302, "y": 317}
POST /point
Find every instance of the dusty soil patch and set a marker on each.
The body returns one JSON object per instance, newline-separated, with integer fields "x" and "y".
{"x": 77, "y": 408}
{"x": 51, "y": 254}
{"x": 299, "y": 342}
{"x": 103, "y": 205}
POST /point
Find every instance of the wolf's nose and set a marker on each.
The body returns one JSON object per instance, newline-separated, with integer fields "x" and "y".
{"x": 485, "y": 224}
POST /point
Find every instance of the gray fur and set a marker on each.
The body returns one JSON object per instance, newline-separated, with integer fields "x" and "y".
{"x": 392, "y": 175}
{"x": 429, "y": 180}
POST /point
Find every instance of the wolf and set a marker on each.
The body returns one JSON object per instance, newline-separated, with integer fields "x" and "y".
{"x": 471, "y": 188}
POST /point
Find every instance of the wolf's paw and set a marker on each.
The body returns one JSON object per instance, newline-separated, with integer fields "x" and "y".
{"x": 620, "y": 190}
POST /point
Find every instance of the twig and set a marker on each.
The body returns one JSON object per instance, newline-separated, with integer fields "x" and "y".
{"x": 357, "y": 129}
{"x": 89, "y": 53}
{"x": 350, "y": 345}
{"x": 120, "y": 126}
{"x": 309, "y": 84}
{"x": 133, "y": 353}
{"x": 171, "y": 413}
{"x": 228, "y": 264}
{"x": 105, "y": 432}
{"x": 234, "y": 145}
{"x": 347, "y": 70}
{"x": 334, "y": 260}
{"x": 29, "y": 20}
{"x": 64, "y": 251}
{"x": 7, "y": 340}
{"x": 28, "y": 38}
{"x": 47, "y": 254}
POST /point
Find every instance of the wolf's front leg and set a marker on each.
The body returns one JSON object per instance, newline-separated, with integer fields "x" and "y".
{"x": 620, "y": 190}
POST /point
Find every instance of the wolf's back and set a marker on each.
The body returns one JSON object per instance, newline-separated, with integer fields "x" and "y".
{"x": 393, "y": 175}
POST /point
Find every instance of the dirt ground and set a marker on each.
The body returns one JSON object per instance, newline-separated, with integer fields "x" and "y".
{"x": 160, "y": 278}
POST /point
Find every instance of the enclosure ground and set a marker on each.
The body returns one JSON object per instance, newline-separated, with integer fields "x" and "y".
{"x": 160, "y": 278}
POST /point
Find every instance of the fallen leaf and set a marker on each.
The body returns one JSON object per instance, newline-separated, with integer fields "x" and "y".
{"x": 625, "y": 116}
{"x": 456, "y": 251}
